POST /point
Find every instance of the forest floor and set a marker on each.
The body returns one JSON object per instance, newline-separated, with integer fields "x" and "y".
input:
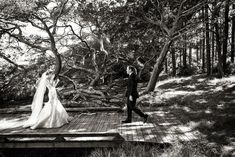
{"x": 201, "y": 103}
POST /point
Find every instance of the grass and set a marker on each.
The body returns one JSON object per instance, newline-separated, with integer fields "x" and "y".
{"x": 139, "y": 150}
{"x": 124, "y": 150}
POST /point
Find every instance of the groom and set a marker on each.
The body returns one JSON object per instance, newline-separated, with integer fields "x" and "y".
{"x": 132, "y": 95}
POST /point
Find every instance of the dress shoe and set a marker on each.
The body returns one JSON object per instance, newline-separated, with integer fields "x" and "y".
{"x": 146, "y": 118}
{"x": 126, "y": 121}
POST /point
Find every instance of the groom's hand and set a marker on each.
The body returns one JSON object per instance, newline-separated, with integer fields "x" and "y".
{"x": 130, "y": 98}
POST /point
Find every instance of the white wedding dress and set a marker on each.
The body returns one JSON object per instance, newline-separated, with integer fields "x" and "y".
{"x": 52, "y": 114}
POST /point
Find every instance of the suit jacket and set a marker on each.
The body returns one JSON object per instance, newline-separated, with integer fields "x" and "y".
{"x": 132, "y": 86}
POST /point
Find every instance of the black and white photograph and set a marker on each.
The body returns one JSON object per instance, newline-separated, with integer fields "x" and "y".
{"x": 117, "y": 78}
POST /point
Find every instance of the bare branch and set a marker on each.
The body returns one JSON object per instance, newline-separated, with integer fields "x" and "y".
{"x": 12, "y": 62}
{"x": 79, "y": 37}
{"x": 58, "y": 16}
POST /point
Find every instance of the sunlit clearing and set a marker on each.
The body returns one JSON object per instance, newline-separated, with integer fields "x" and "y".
{"x": 191, "y": 86}
{"x": 208, "y": 111}
{"x": 217, "y": 89}
{"x": 174, "y": 93}
{"x": 157, "y": 113}
{"x": 228, "y": 149}
{"x": 175, "y": 80}
{"x": 224, "y": 79}
{"x": 182, "y": 133}
{"x": 165, "y": 124}
{"x": 201, "y": 101}
{"x": 203, "y": 123}
{"x": 187, "y": 109}
{"x": 201, "y": 80}
{"x": 220, "y": 106}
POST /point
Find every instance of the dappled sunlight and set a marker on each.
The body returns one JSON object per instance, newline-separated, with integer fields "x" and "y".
{"x": 87, "y": 139}
{"x": 172, "y": 80}
{"x": 216, "y": 89}
{"x": 182, "y": 133}
{"x": 76, "y": 130}
{"x": 137, "y": 131}
{"x": 172, "y": 129}
{"x": 191, "y": 87}
{"x": 220, "y": 106}
{"x": 158, "y": 113}
{"x": 230, "y": 79}
{"x": 201, "y": 101}
{"x": 201, "y": 80}
{"x": 187, "y": 109}
{"x": 177, "y": 93}
{"x": 202, "y": 123}
{"x": 25, "y": 107}
{"x": 112, "y": 130}
{"x": 135, "y": 125}
{"x": 228, "y": 150}
{"x": 32, "y": 139}
{"x": 208, "y": 111}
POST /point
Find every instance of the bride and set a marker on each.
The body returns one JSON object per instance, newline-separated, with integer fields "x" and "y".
{"x": 52, "y": 114}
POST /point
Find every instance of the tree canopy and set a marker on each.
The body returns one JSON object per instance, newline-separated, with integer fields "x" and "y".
{"x": 90, "y": 42}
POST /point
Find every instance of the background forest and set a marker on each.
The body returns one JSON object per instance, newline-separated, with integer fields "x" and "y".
{"x": 90, "y": 43}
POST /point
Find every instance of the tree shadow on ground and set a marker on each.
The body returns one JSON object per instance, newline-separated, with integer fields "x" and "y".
{"x": 205, "y": 104}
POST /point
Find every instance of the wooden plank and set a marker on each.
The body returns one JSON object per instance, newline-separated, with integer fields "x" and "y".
{"x": 119, "y": 125}
{"x": 80, "y": 140}
{"x": 80, "y": 109}
{"x": 148, "y": 133}
{"x": 174, "y": 128}
{"x": 112, "y": 123}
{"x": 186, "y": 133}
{"x": 107, "y": 121}
{"x": 185, "y": 119}
{"x": 71, "y": 144}
{"x": 158, "y": 134}
{"x": 81, "y": 122}
{"x": 164, "y": 132}
{"x": 100, "y": 123}
{"x": 41, "y": 134}
{"x": 91, "y": 122}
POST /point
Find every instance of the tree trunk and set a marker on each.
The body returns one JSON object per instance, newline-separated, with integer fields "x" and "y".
{"x": 212, "y": 49}
{"x": 166, "y": 68}
{"x": 190, "y": 56}
{"x": 203, "y": 53}
{"x": 233, "y": 38}
{"x": 180, "y": 56}
{"x": 218, "y": 48}
{"x": 208, "y": 52}
{"x": 158, "y": 67}
{"x": 203, "y": 43}
{"x": 225, "y": 39}
{"x": 185, "y": 53}
{"x": 58, "y": 64}
{"x": 173, "y": 62}
{"x": 95, "y": 81}
{"x": 197, "y": 55}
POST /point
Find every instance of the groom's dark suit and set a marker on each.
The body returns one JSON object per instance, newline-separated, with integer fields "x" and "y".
{"x": 132, "y": 91}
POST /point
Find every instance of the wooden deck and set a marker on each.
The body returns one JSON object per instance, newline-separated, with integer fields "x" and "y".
{"x": 97, "y": 129}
